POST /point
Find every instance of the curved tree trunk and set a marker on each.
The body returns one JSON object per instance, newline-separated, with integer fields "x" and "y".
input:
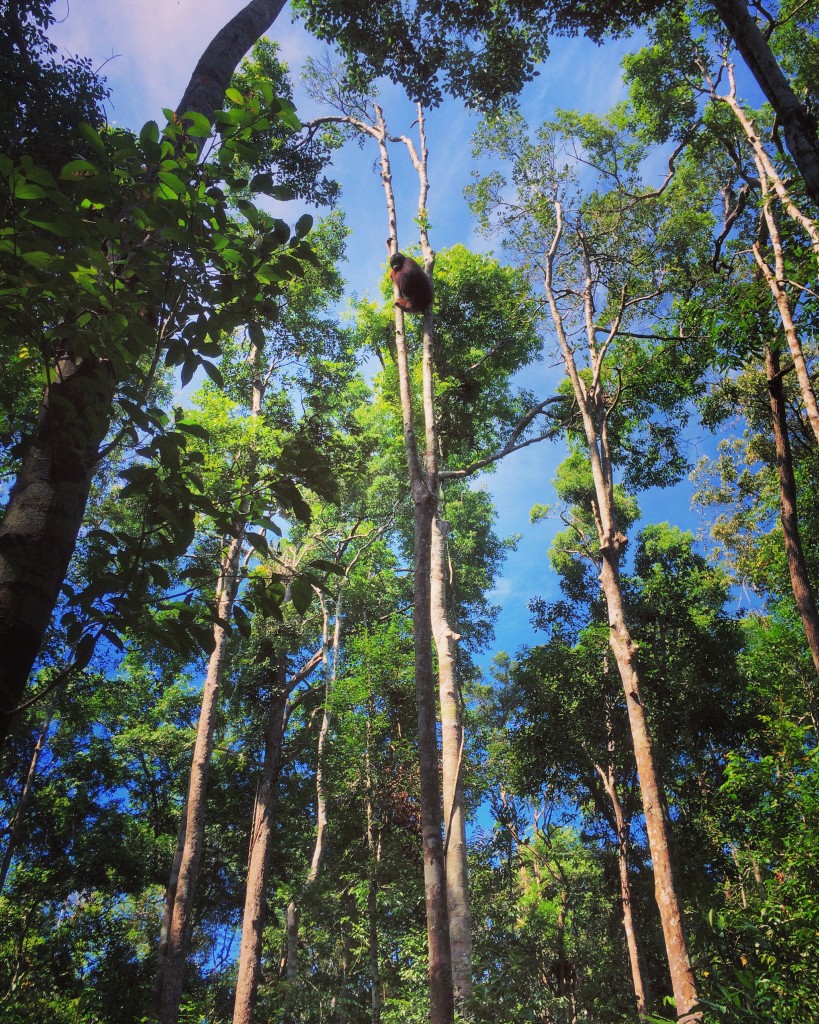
{"x": 47, "y": 503}
{"x": 44, "y": 514}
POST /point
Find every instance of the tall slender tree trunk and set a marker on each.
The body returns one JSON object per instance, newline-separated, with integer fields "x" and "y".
{"x": 665, "y": 889}
{"x": 591, "y": 402}
{"x": 324, "y": 734}
{"x": 634, "y": 958}
{"x": 25, "y": 796}
{"x": 320, "y": 845}
{"x": 424, "y": 487}
{"x": 291, "y": 960}
{"x": 452, "y": 751}
{"x": 258, "y": 861}
{"x": 798, "y": 124}
{"x": 800, "y": 581}
{"x": 173, "y": 970}
{"x": 47, "y": 503}
{"x": 373, "y": 849}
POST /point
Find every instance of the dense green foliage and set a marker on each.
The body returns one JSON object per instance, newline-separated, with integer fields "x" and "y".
{"x": 245, "y": 405}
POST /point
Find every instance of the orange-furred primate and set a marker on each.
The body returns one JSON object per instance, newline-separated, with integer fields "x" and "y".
{"x": 413, "y": 284}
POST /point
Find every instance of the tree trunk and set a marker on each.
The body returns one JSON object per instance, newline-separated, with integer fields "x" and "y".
{"x": 172, "y": 972}
{"x": 800, "y": 581}
{"x": 44, "y": 514}
{"x": 798, "y": 125}
{"x": 25, "y": 797}
{"x": 665, "y": 890}
{"x": 324, "y": 734}
{"x": 47, "y": 503}
{"x": 373, "y": 849}
{"x": 591, "y": 403}
{"x": 258, "y": 862}
{"x": 424, "y": 500}
{"x": 452, "y": 750}
{"x": 635, "y": 961}
{"x": 170, "y": 899}
{"x": 440, "y": 964}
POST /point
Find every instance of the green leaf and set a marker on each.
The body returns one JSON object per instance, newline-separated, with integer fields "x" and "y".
{"x": 196, "y": 124}
{"x": 196, "y": 429}
{"x": 326, "y": 566}
{"x": 303, "y": 225}
{"x": 149, "y": 133}
{"x": 258, "y": 542}
{"x": 84, "y": 651}
{"x": 92, "y": 136}
{"x": 234, "y": 96}
{"x": 268, "y": 524}
{"x": 262, "y": 183}
{"x": 173, "y": 183}
{"x": 43, "y": 260}
{"x": 242, "y": 620}
{"x": 74, "y": 170}
{"x": 213, "y": 372}
{"x": 301, "y": 594}
{"x": 28, "y": 190}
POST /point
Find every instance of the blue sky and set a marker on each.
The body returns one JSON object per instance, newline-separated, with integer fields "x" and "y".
{"x": 147, "y": 50}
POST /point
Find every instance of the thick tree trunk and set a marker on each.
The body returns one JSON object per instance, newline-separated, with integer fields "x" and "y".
{"x": 179, "y": 931}
{"x": 212, "y": 74}
{"x": 44, "y": 514}
{"x": 798, "y": 125}
{"x": 800, "y": 581}
{"x": 47, "y": 503}
{"x": 452, "y": 750}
